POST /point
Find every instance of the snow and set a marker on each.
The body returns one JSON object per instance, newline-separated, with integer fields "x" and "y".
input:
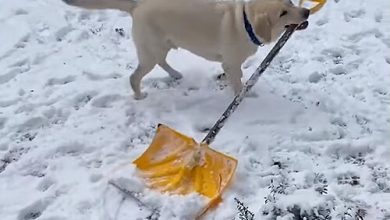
{"x": 313, "y": 143}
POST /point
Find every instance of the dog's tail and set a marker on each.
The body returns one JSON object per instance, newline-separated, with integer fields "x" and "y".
{"x": 123, "y": 5}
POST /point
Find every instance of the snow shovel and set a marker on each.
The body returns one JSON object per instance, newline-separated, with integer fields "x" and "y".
{"x": 178, "y": 164}
{"x": 315, "y": 8}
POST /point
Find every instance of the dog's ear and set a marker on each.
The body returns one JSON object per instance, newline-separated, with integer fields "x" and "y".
{"x": 263, "y": 27}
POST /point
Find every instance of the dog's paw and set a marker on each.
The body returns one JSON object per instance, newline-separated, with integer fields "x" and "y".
{"x": 140, "y": 96}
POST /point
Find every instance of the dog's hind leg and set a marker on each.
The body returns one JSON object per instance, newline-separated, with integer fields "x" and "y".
{"x": 136, "y": 77}
{"x": 150, "y": 51}
{"x": 172, "y": 72}
{"x": 148, "y": 58}
{"x": 146, "y": 62}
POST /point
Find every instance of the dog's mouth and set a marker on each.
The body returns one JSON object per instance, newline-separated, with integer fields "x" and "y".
{"x": 301, "y": 26}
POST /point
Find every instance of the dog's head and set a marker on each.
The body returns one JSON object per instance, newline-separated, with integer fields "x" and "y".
{"x": 270, "y": 17}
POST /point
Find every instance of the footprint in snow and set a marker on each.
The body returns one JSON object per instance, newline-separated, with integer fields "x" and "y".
{"x": 70, "y": 149}
{"x": 2, "y": 122}
{"x": 387, "y": 59}
{"x": 83, "y": 35}
{"x": 25, "y": 108}
{"x": 45, "y": 184}
{"x": 322, "y": 21}
{"x": 34, "y": 210}
{"x": 56, "y": 116}
{"x": 84, "y": 206}
{"x": 61, "y": 33}
{"x": 386, "y": 41}
{"x": 106, "y": 100}
{"x": 21, "y": 62}
{"x": 32, "y": 123}
{"x": 81, "y": 100}
{"x": 335, "y": 54}
{"x": 12, "y": 156}
{"x": 95, "y": 163}
{"x": 20, "y": 11}
{"x": 82, "y": 17}
{"x": 315, "y": 77}
{"x": 95, "y": 178}
{"x": 36, "y": 169}
{"x": 163, "y": 83}
{"x": 378, "y": 16}
{"x": 60, "y": 81}
{"x": 354, "y": 64}
{"x": 348, "y": 16}
{"x": 338, "y": 70}
{"x": 4, "y": 78}
{"x": 40, "y": 57}
{"x": 356, "y": 37}
{"x": 23, "y": 42}
{"x": 19, "y": 67}
{"x": 98, "y": 77}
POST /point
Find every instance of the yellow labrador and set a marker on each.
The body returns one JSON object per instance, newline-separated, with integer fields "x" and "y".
{"x": 223, "y": 31}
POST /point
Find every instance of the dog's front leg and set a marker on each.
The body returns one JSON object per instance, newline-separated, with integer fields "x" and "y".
{"x": 233, "y": 74}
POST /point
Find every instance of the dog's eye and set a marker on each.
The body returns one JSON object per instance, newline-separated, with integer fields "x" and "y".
{"x": 284, "y": 12}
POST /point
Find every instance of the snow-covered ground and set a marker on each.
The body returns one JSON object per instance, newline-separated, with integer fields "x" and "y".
{"x": 314, "y": 143}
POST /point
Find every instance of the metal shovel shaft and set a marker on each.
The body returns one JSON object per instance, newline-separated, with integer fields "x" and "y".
{"x": 248, "y": 85}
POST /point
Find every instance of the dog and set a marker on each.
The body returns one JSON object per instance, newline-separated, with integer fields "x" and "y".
{"x": 224, "y": 31}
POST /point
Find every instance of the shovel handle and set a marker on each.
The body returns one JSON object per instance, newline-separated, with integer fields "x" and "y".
{"x": 249, "y": 84}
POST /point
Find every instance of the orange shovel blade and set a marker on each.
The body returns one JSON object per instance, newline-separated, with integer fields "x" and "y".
{"x": 176, "y": 163}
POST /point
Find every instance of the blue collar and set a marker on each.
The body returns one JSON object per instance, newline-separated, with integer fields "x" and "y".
{"x": 249, "y": 30}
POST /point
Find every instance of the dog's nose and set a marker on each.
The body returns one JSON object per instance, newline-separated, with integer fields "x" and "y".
{"x": 305, "y": 13}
